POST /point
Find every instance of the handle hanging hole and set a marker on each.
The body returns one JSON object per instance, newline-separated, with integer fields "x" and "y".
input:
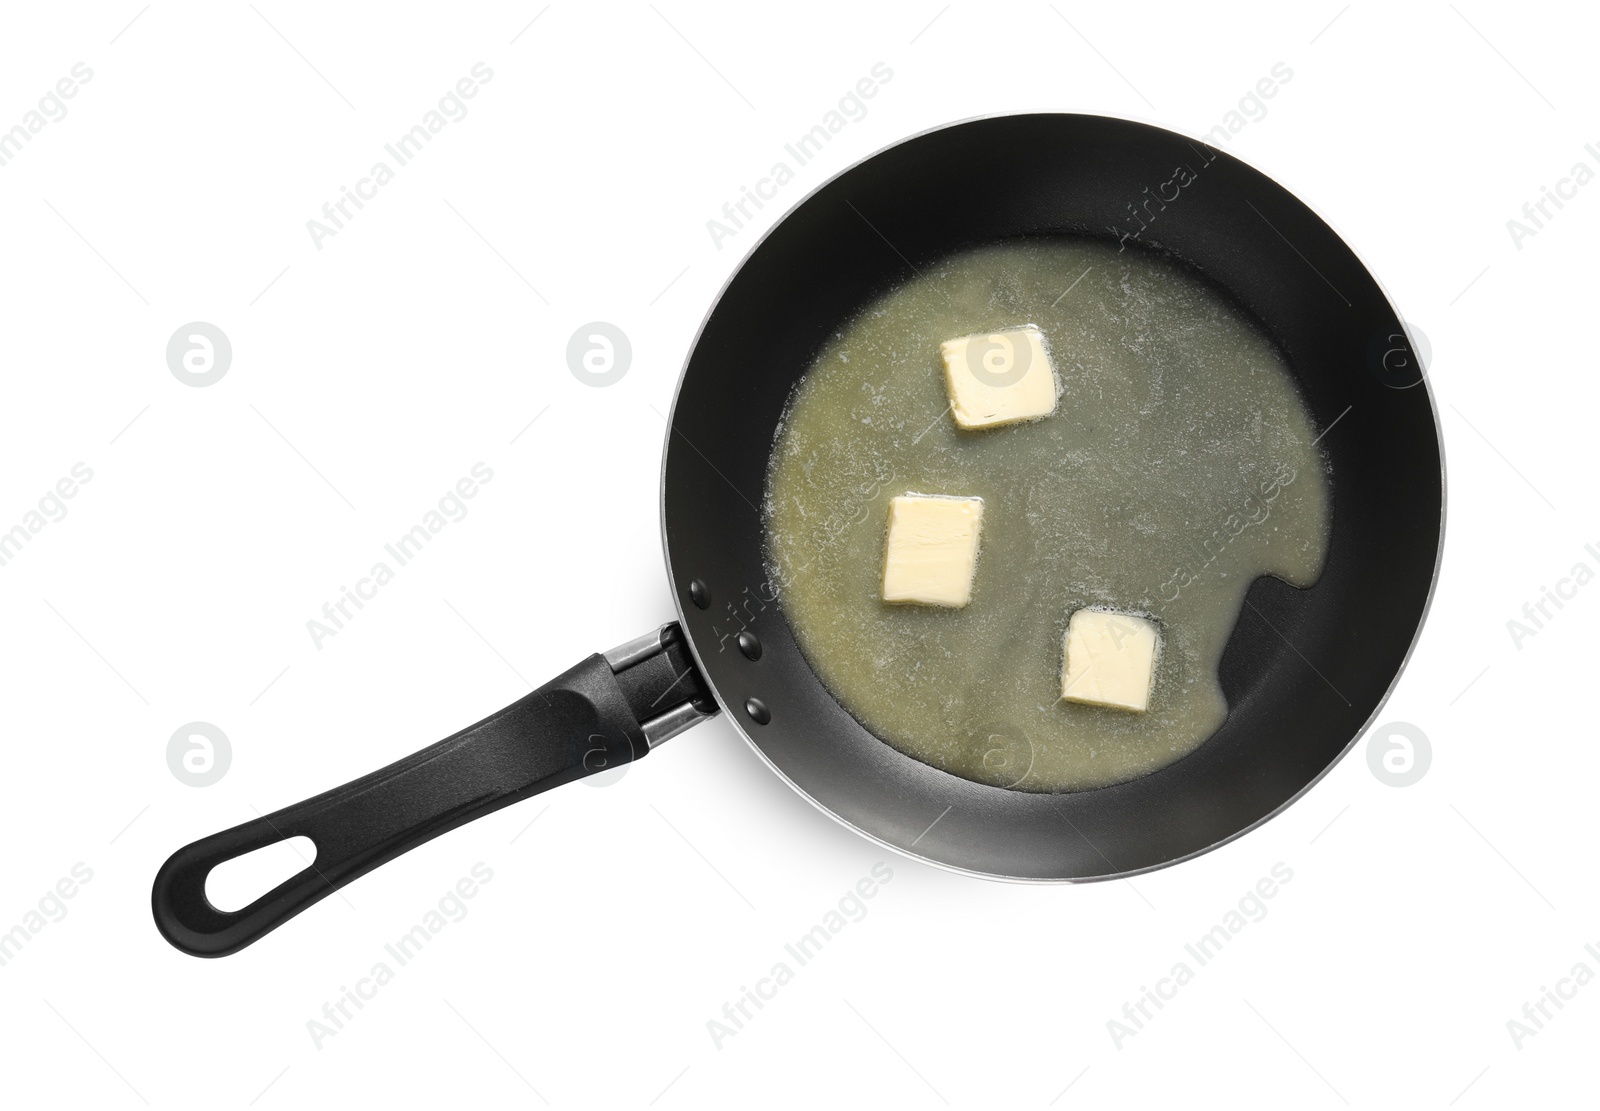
{"x": 235, "y": 884}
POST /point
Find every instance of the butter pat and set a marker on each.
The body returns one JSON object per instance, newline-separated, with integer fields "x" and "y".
{"x": 932, "y": 550}
{"x": 1108, "y": 660}
{"x": 999, "y": 377}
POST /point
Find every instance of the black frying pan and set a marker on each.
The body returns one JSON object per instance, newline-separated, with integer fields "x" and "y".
{"x": 1304, "y": 671}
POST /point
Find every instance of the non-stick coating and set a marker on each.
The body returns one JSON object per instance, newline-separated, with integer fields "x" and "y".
{"x": 1304, "y": 671}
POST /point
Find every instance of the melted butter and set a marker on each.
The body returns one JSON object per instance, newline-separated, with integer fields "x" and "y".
{"x": 1179, "y": 465}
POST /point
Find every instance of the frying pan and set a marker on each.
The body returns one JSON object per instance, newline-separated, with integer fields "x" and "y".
{"x": 1304, "y": 671}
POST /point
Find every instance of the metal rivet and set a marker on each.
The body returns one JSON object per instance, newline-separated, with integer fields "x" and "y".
{"x": 757, "y": 710}
{"x": 698, "y": 594}
{"x": 749, "y": 645}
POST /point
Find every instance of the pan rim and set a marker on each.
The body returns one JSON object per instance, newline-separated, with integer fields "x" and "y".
{"x": 730, "y": 711}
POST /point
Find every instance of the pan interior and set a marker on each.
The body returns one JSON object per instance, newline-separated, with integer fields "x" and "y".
{"x": 1178, "y": 467}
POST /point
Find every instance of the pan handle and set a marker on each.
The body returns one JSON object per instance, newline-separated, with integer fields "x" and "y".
{"x": 608, "y": 710}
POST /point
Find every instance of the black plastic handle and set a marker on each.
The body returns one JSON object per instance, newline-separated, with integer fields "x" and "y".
{"x": 582, "y": 722}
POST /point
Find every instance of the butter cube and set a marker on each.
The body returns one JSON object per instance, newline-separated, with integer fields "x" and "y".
{"x": 999, "y": 377}
{"x": 1108, "y": 660}
{"x": 932, "y": 550}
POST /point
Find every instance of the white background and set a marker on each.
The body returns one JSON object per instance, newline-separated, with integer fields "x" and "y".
{"x": 372, "y": 373}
